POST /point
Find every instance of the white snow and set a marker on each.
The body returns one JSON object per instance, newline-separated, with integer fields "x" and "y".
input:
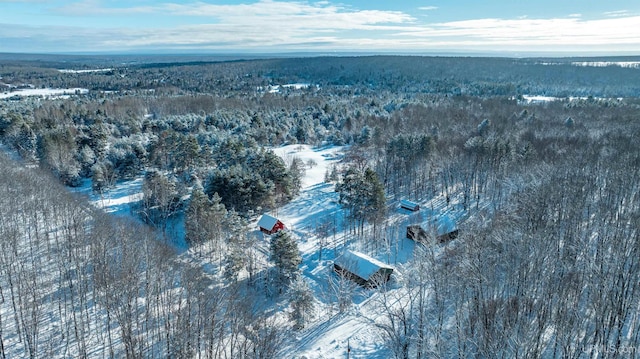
{"x": 117, "y": 200}
{"x": 297, "y": 86}
{"x": 538, "y": 99}
{"x": 330, "y": 333}
{"x": 277, "y": 88}
{"x": 541, "y": 99}
{"x": 320, "y": 160}
{"x": 69, "y": 71}
{"x": 46, "y": 92}
{"x": 267, "y": 221}
{"x": 628, "y": 64}
{"x": 360, "y": 264}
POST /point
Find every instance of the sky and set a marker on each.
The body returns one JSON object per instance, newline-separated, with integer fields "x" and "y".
{"x": 513, "y": 27}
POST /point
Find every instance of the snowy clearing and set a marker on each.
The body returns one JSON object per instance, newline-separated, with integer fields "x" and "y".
{"x": 118, "y": 199}
{"x": 69, "y": 71}
{"x": 320, "y": 224}
{"x": 318, "y": 160}
{"x": 46, "y": 92}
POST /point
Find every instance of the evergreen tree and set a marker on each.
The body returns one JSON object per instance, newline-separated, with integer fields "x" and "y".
{"x": 297, "y": 171}
{"x": 352, "y": 193}
{"x": 362, "y": 194}
{"x": 195, "y": 215}
{"x": 160, "y": 198}
{"x": 240, "y": 189}
{"x": 285, "y": 255}
{"x": 272, "y": 169}
{"x": 375, "y": 201}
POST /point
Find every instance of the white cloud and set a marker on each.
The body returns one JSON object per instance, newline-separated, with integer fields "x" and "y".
{"x": 428, "y": 8}
{"x": 532, "y": 32}
{"x": 96, "y": 8}
{"x": 261, "y": 24}
{"x": 272, "y": 25}
{"x": 617, "y": 13}
{"x": 319, "y": 14}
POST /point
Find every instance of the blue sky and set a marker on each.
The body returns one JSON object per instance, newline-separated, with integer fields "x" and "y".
{"x": 511, "y": 27}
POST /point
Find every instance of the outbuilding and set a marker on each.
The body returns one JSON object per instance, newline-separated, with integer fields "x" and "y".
{"x": 443, "y": 226}
{"x": 411, "y": 206}
{"x": 362, "y": 269}
{"x": 269, "y": 224}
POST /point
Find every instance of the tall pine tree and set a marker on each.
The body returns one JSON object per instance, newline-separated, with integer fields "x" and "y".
{"x": 286, "y": 256}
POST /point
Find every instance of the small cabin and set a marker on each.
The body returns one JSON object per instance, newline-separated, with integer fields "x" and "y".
{"x": 269, "y": 224}
{"x": 444, "y": 228}
{"x": 408, "y": 205}
{"x": 362, "y": 269}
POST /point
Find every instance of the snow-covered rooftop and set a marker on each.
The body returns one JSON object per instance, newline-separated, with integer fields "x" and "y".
{"x": 267, "y": 221}
{"x": 408, "y": 204}
{"x": 444, "y": 224}
{"x": 360, "y": 264}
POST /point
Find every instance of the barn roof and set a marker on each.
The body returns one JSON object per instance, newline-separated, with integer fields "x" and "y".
{"x": 407, "y": 203}
{"x": 360, "y": 264}
{"x": 267, "y": 221}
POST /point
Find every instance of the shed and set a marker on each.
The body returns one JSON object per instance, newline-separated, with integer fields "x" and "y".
{"x": 269, "y": 224}
{"x": 362, "y": 269}
{"x": 411, "y": 206}
{"x": 443, "y": 226}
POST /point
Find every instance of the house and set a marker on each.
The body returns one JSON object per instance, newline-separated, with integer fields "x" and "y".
{"x": 411, "y": 206}
{"x": 362, "y": 269}
{"x": 444, "y": 228}
{"x": 269, "y": 224}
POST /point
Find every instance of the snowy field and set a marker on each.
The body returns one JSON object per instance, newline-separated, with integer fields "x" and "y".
{"x": 68, "y": 71}
{"x": 534, "y": 99}
{"x": 46, "y": 92}
{"x": 626, "y": 64}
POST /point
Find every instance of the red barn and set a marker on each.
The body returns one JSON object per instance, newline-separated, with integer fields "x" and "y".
{"x": 269, "y": 224}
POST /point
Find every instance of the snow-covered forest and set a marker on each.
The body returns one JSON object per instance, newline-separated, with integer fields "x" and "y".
{"x": 132, "y": 189}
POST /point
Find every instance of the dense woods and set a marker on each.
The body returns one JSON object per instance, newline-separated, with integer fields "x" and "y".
{"x": 547, "y": 263}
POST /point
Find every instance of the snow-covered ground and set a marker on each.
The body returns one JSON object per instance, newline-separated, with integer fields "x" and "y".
{"x": 277, "y": 88}
{"x": 318, "y": 160}
{"x": 319, "y": 223}
{"x": 627, "y": 64}
{"x": 68, "y": 71}
{"x": 46, "y": 92}
{"x": 331, "y": 334}
{"x": 118, "y": 199}
{"x": 533, "y": 99}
